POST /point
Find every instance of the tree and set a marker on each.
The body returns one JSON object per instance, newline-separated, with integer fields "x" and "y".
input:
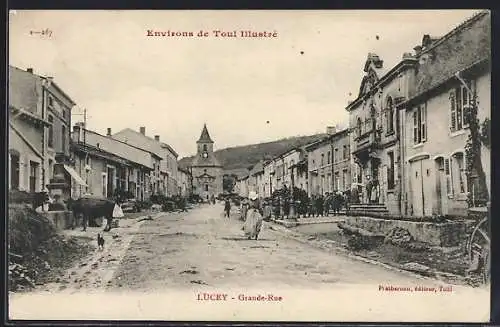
{"x": 228, "y": 182}
{"x": 476, "y": 176}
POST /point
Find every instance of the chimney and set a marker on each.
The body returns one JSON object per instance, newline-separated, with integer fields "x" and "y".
{"x": 76, "y": 133}
{"x": 157, "y": 138}
{"x": 108, "y": 132}
{"x": 417, "y": 49}
{"x": 29, "y": 70}
{"x": 142, "y": 130}
{"x": 407, "y": 55}
{"x": 330, "y": 130}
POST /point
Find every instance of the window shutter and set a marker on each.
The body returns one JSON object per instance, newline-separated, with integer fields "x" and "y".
{"x": 453, "y": 125}
{"x": 447, "y": 174}
{"x": 415, "y": 127}
{"x": 459, "y": 107}
{"x": 423, "y": 122}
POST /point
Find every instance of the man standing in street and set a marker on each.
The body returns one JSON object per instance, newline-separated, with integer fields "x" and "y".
{"x": 227, "y": 207}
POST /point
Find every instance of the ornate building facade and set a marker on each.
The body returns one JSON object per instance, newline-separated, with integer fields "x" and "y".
{"x": 206, "y": 170}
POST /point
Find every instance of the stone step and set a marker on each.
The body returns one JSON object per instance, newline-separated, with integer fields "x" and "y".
{"x": 367, "y": 205}
{"x": 369, "y": 209}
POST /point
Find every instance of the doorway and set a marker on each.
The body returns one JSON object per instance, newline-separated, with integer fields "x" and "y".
{"x": 33, "y": 176}
{"x": 109, "y": 186}
{"x": 421, "y": 187}
{"x": 14, "y": 172}
{"x": 441, "y": 193}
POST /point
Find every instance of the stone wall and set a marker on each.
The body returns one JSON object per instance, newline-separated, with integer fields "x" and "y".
{"x": 436, "y": 234}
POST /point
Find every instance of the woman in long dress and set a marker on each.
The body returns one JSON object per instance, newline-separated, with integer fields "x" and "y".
{"x": 253, "y": 221}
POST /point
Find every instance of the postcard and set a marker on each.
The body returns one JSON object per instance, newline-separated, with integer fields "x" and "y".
{"x": 320, "y": 166}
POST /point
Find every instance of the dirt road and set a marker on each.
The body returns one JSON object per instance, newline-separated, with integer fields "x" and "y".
{"x": 162, "y": 268}
{"x": 201, "y": 247}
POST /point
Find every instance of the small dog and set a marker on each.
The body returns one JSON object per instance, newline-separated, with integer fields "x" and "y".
{"x": 100, "y": 241}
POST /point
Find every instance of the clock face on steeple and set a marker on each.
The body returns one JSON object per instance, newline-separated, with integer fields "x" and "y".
{"x": 205, "y": 155}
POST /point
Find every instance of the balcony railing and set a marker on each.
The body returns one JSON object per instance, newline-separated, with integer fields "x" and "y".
{"x": 365, "y": 140}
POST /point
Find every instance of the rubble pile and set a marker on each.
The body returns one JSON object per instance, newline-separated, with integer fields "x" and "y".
{"x": 20, "y": 277}
{"x": 36, "y": 251}
{"x": 401, "y": 237}
{"x": 358, "y": 242}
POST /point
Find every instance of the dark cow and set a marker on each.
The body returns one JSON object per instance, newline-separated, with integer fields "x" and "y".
{"x": 91, "y": 208}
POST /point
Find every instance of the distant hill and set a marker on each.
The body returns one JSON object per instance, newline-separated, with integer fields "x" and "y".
{"x": 236, "y": 160}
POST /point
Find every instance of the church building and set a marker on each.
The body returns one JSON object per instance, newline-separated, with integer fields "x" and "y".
{"x": 206, "y": 170}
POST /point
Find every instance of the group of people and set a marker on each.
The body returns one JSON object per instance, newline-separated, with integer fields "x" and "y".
{"x": 251, "y": 214}
{"x": 313, "y": 206}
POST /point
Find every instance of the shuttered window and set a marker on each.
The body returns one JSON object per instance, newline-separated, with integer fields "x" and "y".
{"x": 447, "y": 171}
{"x": 423, "y": 122}
{"x": 415, "y": 128}
{"x": 460, "y": 102}
{"x": 453, "y": 113}
{"x": 419, "y": 125}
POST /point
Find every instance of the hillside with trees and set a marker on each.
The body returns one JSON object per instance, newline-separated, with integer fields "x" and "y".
{"x": 237, "y": 160}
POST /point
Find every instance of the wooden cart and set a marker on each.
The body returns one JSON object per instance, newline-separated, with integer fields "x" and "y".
{"x": 479, "y": 243}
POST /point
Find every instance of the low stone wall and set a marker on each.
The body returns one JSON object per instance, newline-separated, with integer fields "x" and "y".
{"x": 60, "y": 219}
{"x": 436, "y": 234}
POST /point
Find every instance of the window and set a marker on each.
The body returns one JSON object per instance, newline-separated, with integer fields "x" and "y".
{"x": 458, "y": 173}
{"x": 358, "y": 126}
{"x": 419, "y": 125}
{"x": 390, "y": 116}
{"x": 345, "y": 152}
{"x": 368, "y": 125}
{"x": 344, "y": 179}
{"x": 337, "y": 181}
{"x": 205, "y": 148}
{"x": 51, "y": 168}
{"x": 50, "y": 101}
{"x": 63, "y": 138}
{"x": 390, "y": 171}
{"x": 50, "y": 141}
{"x": 14, "y": 172}
{"x": 460, "y": 102}
{"x": 328, "y": 158}
{"x": 336, "y": 155}
{"x": 447, "y": 171}
{"x": 206, "y": 187}
{"x": 104, "y": 185}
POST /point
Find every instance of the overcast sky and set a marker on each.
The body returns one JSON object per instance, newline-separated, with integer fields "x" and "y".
{"x": 299, "y": 81}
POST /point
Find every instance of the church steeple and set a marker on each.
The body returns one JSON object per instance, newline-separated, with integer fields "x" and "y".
{"x": 205, "y": 136}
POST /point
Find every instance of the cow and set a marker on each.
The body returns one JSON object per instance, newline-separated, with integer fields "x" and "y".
{"x": 91, "y": 208}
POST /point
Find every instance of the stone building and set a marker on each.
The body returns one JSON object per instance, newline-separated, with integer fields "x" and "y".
{"x": 107, "y": 165}
{"x": 268, "y": 177}
{"x": 375, "y": 133}
{"x": 328, "y": 163}
{"x": 166, "y": 181}
{"x": 185, "y": 182}
{"x": 206, "y": 170}
{"x": 39, "y": 131}
{"x": 256, "y": 179}
{"x": 291, "y": 169}
{"x": 449, "y": 71}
